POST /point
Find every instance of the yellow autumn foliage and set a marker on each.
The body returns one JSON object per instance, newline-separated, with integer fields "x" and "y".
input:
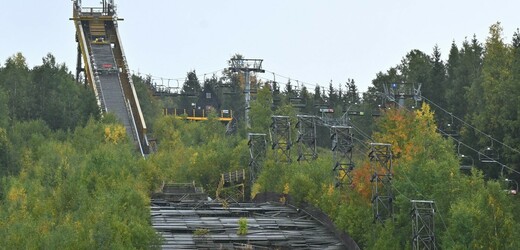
{"x": 17, "y": 194}
{"x": 115, "y": 133}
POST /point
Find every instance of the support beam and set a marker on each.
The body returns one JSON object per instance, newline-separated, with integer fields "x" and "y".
{"x": 423, "y": 225}
{"x": 257, "y": 151}
{"x": 281, "y": 138}
{"x": 307, "y": 149}
{"x": 382, "y": 195}
{"x": 342, "y": 147}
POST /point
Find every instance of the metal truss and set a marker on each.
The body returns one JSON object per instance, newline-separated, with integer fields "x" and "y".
{"x": 342, "y": 147}
{"x": 257, "y": 151}
{"x": 382, "y": 196}
{"x": 423, "y": 224}
{"x": 398, "y": 92}
{"x": 281, "y": 138}
{"x": 306, "y": 137}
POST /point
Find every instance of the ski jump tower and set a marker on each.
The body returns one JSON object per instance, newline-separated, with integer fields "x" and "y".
{"x": 102, "y": 65}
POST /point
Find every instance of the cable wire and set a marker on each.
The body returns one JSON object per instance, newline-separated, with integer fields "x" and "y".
{"x": 471, "y": 126}
{"x": 466, "y": 145}
{"x": 289, "y": 78}
{"x": 444, "y": 224}
{"x": 202, "y": 75}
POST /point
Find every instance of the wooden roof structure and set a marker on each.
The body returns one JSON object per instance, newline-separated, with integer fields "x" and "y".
{"x": 213, "y": 225}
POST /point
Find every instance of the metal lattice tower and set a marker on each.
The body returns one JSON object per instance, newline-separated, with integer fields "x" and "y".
{"x": 342, "y": 147}
{"x": 306, "y": 137}
{"x": 281, "y": 138}
{"x": 257, "y": 151}
{"x": 247, "y": 66}
{"x": 398, "y": 92}
{"x": 423, "y": 224}
{"x": 382, "y": 196}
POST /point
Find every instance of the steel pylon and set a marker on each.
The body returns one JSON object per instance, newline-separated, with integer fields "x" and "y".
{"x": 257, "y": 150}
{"x": 342, "y": 147}
{"x": 382, "y": 196}
{"x": 281, "y": 138}
{"x": 423, "y": 224}
{"x": 307, "y": 150}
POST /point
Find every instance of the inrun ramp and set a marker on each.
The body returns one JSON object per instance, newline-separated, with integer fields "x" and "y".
{"x": 101, "y": 63}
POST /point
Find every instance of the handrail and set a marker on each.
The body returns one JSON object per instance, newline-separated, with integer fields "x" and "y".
{"x": 134, "y": 131}
{"x": 89, "y": 70}
{"x": 96, "y": 83}
{"x": 130, "y": 90}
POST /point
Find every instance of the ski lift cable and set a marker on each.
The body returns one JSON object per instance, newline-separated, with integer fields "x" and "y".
{"x": 471, "y": 126}
{"x": 443, "y": 223}
{"x": 468, "y": 146}
{"x": 408, "y": 198}
{"x": 154, "y": 77}
{"x": 361, "y": 132}
{"x": 480, "y": 153}
{"x": 290, "y": 78}
{"x": 364, "y": 143}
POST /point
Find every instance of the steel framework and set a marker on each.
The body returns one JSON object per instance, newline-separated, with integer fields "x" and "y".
{"x": 423, "y": 224}
{"x": 306, "y": 137}
{"x": 398, "y": 92}
{"x": 281, "y": 138}
{"x": 342, "y": 147}
{"x": 257, "y": 151}
{"x": 231, "y": 186}
{"x": 382, "y": 196}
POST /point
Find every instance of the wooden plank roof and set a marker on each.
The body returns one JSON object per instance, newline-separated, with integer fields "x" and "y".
{"x": 270, "y": 225}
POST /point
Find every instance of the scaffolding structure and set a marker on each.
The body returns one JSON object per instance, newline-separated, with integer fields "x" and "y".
{"x": 423, "y": 224}
{"x": 382, "y": 196}
{"x": 281, "y": 138}
{"x": 231, "y": 186}
{"x": 307, "y": 149}
{"x": 342, "y": 147}
{"x": 257, "y": 150}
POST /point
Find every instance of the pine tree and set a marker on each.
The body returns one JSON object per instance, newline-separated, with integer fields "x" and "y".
{"x": 190, "y": 90}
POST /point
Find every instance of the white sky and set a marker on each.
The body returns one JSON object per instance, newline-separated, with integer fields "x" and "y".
{"x": 307, "y": 40}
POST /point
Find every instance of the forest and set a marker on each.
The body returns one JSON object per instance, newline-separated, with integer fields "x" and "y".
{"x": 69, "y": 176}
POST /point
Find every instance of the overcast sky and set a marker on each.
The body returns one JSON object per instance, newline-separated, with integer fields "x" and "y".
{"x": 307, "y": 40}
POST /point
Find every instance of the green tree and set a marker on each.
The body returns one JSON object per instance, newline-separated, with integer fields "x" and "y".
{"x": 190, "y": 90}
{"x": 510, "y": 121}
{"x": 482, "y": 220}
{"x": 150, "y": 106}
{"x": 4, "y": 109}
{"x": 352, "y": 95}
{"x": 260, "y": 113}
{"x": 438, "y": 79}
{"x": 333, "y": 97}
{"x": 489, "y": 98}
{"x": 7, "y": 166}
{"x": 15, "y": 79}
{"x": 57, "y": 98}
